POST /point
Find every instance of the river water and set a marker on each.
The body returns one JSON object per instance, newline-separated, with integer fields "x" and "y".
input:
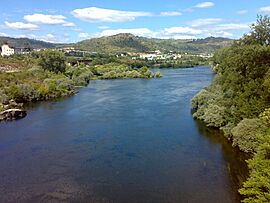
{"x": 120, "y": 141}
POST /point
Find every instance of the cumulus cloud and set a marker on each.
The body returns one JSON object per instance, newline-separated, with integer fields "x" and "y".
{"x": 265, "y": 9}
{"x": 205, "y": 21}
{"x": 45, "y": 19}
{"x": 219, "y": 34}
{"x": 21, "y": 26}
{"x": 84, "y": 35}
{"x": 170, "y": 13}
{"x": 48, "y": 38}
{"x": 206, "y": 4}
{"x": 94, "y": 14}
{"x": 182, "y": 30}
{"x": 3, "y": 34}
{"x": 233, "y": 26}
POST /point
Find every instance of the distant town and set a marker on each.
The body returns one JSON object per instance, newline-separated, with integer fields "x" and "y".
{"x": 7, "y": 50}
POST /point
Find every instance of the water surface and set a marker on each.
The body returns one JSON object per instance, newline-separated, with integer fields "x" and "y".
{"x": 120, "y": 141}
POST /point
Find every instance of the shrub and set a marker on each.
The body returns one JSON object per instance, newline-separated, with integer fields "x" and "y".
{"x": 52, "y": 60}
{"x": 246, "y": 134}
{"x": 257, "y": 188}
{"x": 265, "y": 117}
{"x": 214, "y": 115}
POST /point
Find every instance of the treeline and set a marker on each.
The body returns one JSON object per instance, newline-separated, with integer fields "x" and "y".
{"x": 238, "y": 102}
{"x": 185, "y": 61}
{"x": 45, "y": 75}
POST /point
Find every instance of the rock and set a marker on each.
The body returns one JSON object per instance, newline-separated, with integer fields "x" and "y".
{"x": 12, "y": 114}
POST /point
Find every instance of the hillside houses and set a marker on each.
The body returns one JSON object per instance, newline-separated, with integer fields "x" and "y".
{"x": 6, "y": 50}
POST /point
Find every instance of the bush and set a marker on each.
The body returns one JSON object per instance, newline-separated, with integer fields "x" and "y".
{"x": 265, "y": 117}
{"x": 257, "y": 188}
{"x": 52, "y": 61}
{"x": 246, "y": 134}
{"x": 214, "y": 115}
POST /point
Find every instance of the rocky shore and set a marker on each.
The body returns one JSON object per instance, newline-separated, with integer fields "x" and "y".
{"x": 11, "y": 111}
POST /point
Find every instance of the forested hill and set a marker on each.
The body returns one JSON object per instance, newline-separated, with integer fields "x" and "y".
{"x": 130, "y": 43}
{"x": 26, "y": 43}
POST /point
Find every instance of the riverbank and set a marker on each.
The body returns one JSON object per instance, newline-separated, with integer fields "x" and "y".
{"x": 237, "y": 102}
{"x": 120, "y": 141}
{"x": 46, "y": 75}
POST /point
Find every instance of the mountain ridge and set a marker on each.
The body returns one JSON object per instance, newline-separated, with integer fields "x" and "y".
{"x": 126, "y": 42}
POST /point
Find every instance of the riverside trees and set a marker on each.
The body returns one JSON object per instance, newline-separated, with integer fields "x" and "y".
{"x": 238, "y": 95}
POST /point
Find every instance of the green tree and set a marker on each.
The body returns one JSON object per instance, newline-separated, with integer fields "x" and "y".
{"x": 260, "y": 33}
{"x": 52, "y": 61}
{"x": 257, "y": 188}
{"x": 246, "y": 134}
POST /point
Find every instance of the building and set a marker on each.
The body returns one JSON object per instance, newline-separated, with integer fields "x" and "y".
{"x": 6, "y": 50}
{"x": 23, "y": 50}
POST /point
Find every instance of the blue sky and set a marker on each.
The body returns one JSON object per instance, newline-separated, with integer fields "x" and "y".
{"x": 75, "y": 20}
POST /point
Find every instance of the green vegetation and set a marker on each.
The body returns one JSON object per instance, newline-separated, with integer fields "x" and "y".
{"x": 129, "y": 43}
{"x": 46, "y": 74}
{"x": 238, "y": 103}
{"x": 52, "y": 61}
{"x": 26, "y": 43}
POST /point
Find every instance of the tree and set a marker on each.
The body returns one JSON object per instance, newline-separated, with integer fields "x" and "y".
{"x": 246, "y": 134}
{"x": 52, "y": 61}
{"x": 260, "y": 33}
{"x": 257, "y": 188}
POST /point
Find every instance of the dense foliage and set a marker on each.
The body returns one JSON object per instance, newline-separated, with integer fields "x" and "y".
{"x": 45, "y": 75}
{"x": 130, "y": 43}
{"x": 52, "y": 61}
{"x": 238, "y": 102}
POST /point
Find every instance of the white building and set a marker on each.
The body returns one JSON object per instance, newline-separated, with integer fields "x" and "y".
{"x": 6, "y": 50}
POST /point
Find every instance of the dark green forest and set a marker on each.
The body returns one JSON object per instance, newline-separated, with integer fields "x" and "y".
{"x": 238, "y": 102}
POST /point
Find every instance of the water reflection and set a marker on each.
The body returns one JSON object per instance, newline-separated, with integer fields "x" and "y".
{"x": 234, "y": 158}
{"x": 120, "y": 141}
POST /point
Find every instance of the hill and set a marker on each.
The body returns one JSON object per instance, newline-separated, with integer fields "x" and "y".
{"x": 130, "y": 43}
{"x": 26, "y": 43}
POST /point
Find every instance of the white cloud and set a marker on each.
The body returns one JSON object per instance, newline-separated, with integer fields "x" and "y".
{"x": 265, "y": 9}
{"x": 136, "y": 31}
{"x": 182, "y": 30}
{"x": 220, "y": 34}
{"x": 84, "y": 35}
{"x": 45, "y": 19}
{"x": 233, "y": 26}
{"x": 177, "y": 36}
{"x": 94, "y": 14}
{"x": 103, "y": 27}
{"x": 21, "y": 26}
{"x": 3, "y": 34}
{"x": 206, "y": 4}
{"x": 205, "y": 21}
{"x": 242, "y": 12}
{"x": 69, "y": 24}
{"x": 170, "y": 13}
{"x": 48, "y": 38}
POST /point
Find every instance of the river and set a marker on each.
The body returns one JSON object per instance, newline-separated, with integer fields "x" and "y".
{"x": 120, "y": 141}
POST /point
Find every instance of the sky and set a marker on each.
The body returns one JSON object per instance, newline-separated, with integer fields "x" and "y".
{"x": 65, "y": 21}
